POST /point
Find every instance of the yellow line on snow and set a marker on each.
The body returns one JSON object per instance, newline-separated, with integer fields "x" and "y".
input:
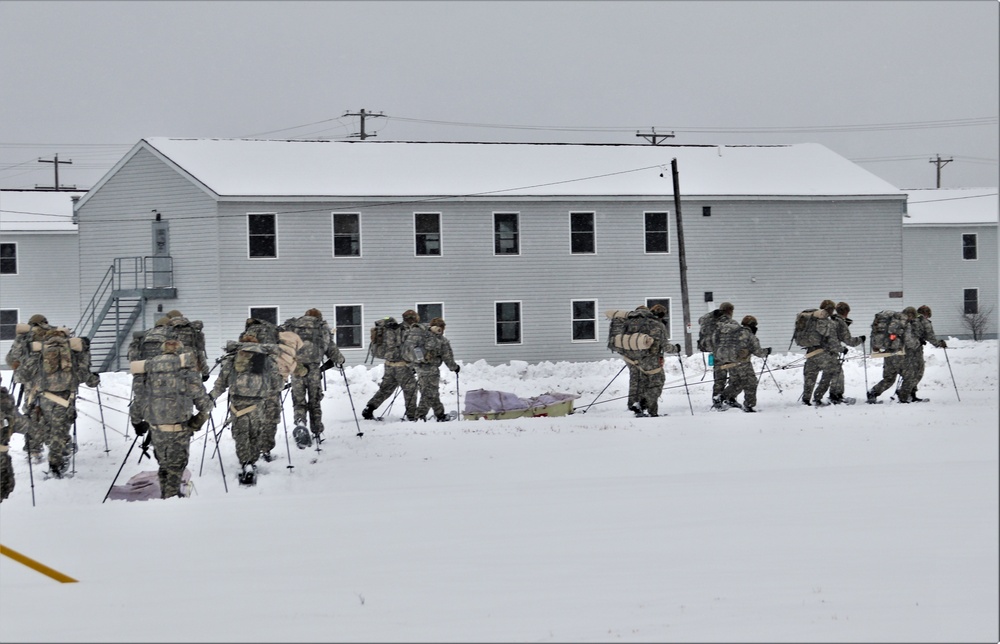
{"x": 40, "y": 567}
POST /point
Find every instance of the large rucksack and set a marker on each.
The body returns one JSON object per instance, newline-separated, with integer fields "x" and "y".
{"x": 616, "y": 329}
{"x": 421, "y": 345}
{"x": 264, "y": 331}
{"x": 151, "y": 342}
{"x": 810, "y": 328}
{"x": 888, "y": 329}
{"x": 637, "y": 338}
{"x": 189, "y": 332}
{"x": 315, "y": 338}
{"x": 56, "y": 371}
{"x": 727, "y": 342}
{"x": 383, "y": 336}
{"x": 167, "y": 378}
{"x": 708, "y": 324}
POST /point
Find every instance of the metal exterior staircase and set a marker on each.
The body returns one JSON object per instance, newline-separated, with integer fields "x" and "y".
{"x": 118, "y": 302}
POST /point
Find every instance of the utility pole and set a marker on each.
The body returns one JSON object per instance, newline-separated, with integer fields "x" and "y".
{"x": 682, "y": 257}
{"x": 364, "y": 114}
{"x": 55, "y": 163}
{"x": 652, "y": 136}
{"x": 940, "y": 163}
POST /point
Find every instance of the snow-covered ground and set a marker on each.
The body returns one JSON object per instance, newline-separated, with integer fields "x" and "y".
{"x": 863, "y": 523}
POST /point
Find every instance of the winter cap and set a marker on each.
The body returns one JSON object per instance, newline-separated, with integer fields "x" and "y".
{"x": 37, "y": 318}
{"x": 174, "y": 313}
{"x": 843, "y": 308}
{"x": 910, "y": 312}
{"x": 314, "y": 313}
{"x": 727, "y": 307}
{"x": 658, "y": 310}
{"x": 410, "y": 315}
{"x": 828, "y": 305}
{"x": 924, "y": 310}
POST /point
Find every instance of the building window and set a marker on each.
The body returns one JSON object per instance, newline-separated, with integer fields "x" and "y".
{"x": 262, "y": 235}
{"x": 969, "y": 246}
{"x": 265, "y": 313}
{"x": 346, "y": 235}
{"x": 971, "y": 301}
{"x": 665, "y": 301}
{"x": 505, "y": 241}
{"x": 584, "y": 320}
{"x": 428, "y": 312}
{"x": 8, "y": 259}
{"x": 348, "y": 326}
{"x": 508, "y": 316}
{"x": 8, "y": 324}
{"x": 427, "y": 229}
{"x": 581, "y": 232}
{"x": 657, "y": 233}
{"x": 706, "y": 211}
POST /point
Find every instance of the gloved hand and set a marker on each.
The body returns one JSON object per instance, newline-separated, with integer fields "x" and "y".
{"x": 843, "y": 350}
{"x": 768, "y": 350}
{"x": 863, "y": 338}
{"x": 943, "y": 345}
{"x": 205, "y": 377}
{"x": 340, "y": 363}
{"x": 677, "y": 348}
{"x": 458, "y": 368}
{"x": 93, "y": 380}
{"x": 140, "y": 428}
{"x": 196, "y": 421}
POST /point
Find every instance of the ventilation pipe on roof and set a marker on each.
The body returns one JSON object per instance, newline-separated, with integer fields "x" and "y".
{"x": 75, "y": 199}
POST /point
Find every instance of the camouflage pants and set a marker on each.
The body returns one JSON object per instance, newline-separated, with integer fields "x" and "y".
{"x": 55, "y": 423}
{"x": 137, "y": 408}
{"x": 913, "y": 372}
{"x": 825, "y": 362}
{"x": 249, "y": 428}
{"x": 402, "y": 377}
{"x": 648, "y": 378}
{"x": 742, "y": 380}
{"x": 429, "y": 389}
{"x": 6, "y": 475}
{"x": 892, "y": 368}
{"x": 720, "y": 378}
{"x": 307, "y": 394}
{"x": 171, "y": 450}
{"x": 271, "y": 419}
{"x": 633, "y": 385}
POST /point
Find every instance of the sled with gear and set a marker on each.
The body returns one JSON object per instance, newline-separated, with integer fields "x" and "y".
{"x": 502, "y": 405}
{"x": 146, "y": 485}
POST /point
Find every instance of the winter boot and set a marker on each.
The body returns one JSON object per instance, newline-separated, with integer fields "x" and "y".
{"x": 301, "y": 436}
{"x": 749, "y": 409}
{"x": 871, "y": 398}
{"x": 368, "y": 413}
{"x": 731, "y": 402}
{"x": 442, "y": 418}
{"x": 249, "y": 474}
{"x": 267, "y": 456}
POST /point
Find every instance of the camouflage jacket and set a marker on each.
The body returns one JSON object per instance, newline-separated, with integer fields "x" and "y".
{"x": 839, "y": 333}
{"x": 919, "y": 331}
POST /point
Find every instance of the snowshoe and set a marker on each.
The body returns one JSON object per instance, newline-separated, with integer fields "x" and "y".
{"x": 749, "y": 409}
{"x": 248, "y": 476}
{"x": 368, "y": 413}
{"x": 452, "y": 415}
{"x": 443, "y": 418}
{"x": 302, "y": 437}
{"x": 843, "y": 400}
{"x": 267, "y": 456}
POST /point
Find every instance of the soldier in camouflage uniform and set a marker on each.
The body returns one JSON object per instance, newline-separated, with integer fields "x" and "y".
{"x": 436, "y": 350}
{"x": 842, "y": 324}
{"x": 742, "y": 376}
{"x": 646, "y": 365}
{"x": 288, "y": 345}
{"x": 307, "y": 381}
{"x": 145, "y": 344}
{"x": 827, "y": 360}
{"x": 719, "y": 317}
{"x": 919, "y": 332}
{"x": 175, "y": 385}
{"x": 20, "y": 351}
{"x": 11, "y": 421}
{"x": 59, "y": 363}
{"x": 398, "y": 372}
{"x": 892, "y": 369}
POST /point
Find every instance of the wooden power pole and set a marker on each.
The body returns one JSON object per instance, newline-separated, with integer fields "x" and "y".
{"x": 685, "y": 300}
{"x": 55, "y": 163}
{"x": 940, "y": 163}
{"x": 363, "y": 114}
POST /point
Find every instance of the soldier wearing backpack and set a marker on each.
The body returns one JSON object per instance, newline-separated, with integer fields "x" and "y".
{"x": 11, "y": 420}
{"x": 919, "y": 333}
{"x": 429, "y": 349}
{"x": 889, "y": 329}
{"x": 398, "y": 371}
{"x": 708, "y": 325}
{"x": 288, "y": 343}
{"x": 145, "y": 344}
{"x": 739, "y": 345}
{"x": 307, "y": 387}
{"x": 58, "y": 364}
{"x": 20, "y": 353}
{"x": 644, "y": 342}
{"x": 843, "y": 332}
{"x": 823, "y": 340}
{"x": 174, "y": 386}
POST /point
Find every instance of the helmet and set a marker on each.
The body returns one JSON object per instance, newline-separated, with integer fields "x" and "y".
{"x": 843, "y": 308}
{"x": 314, "y": 313}
{"x": 438, "y": 322}
{"x": 174, "y": 313}
{"x": 924, "y": 310}
{"x": 37, "y": 319}
{"x": 658, "y": 310}
{"x": 910, "y": 312}
{"x": 164, "y": 321}
{"x": 410, "y": 315}
{"x": 828, "y": 305}
{"x": 727, "y": 308}
{"x": 749, "y": 320}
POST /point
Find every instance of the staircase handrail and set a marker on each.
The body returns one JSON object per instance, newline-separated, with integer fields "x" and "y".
{"x": 90, "y": 311}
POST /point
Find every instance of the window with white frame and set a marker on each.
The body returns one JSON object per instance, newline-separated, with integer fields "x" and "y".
{"x": 429, "y": 311}
{"x": 657, "y": 226}
{"x": 508, "y": 321}
{"x": 505, "y": 233}
{"x": 970, "y": 298}
{"x": 582, "y": 233}
{"x": 584, "y": 320}
{"x": 970, "y": 246}
{"x": 8, "y": 323}
{"x": 262, "y": 235}
{"x": 265, "y": 313}
{"x": 427, "y": 234}
{"x": 348, "y": 326}
{"x": 8, "y": 258}
{"x": 346, "y": 234}
{"x": 665, "y": 301}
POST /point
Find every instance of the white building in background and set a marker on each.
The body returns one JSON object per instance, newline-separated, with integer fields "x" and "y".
{"x": 39, "y": 259}
{"x": 950, "y": 256}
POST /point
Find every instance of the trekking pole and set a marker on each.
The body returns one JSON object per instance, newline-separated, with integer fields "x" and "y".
{"x": 458, "y": 398}
{"x": 864, "y": 362}
{"x": 351, "y": 398}
{"x": 125, "y": 460}
{"x": 288, "y": 449}
{"x": 389, "y": 408}
{"x": 584, "y": 410}
{"x": 73, "y": 455}
{"x": 204, "y": 446}
{"x": 945, "y": 349}
{"x": 221, "y": 468}
{"x": 688, "y": 391}
{"x": 31, "y": 475}
{"x": 771, "y": 373}
{"x": 104, "y": 428}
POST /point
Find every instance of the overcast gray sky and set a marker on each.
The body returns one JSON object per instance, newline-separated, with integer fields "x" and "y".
{"x": 889, "y": 85}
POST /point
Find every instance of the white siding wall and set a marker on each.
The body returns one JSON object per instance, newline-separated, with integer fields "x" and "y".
{"x": 936, "y": 274}
{"x": 47, "y": 280}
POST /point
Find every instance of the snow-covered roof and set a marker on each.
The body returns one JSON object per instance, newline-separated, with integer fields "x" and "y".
{"x": 302, "y": 169}
{"x": 951, "y": 206}
{"x": 37, "y": 211}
